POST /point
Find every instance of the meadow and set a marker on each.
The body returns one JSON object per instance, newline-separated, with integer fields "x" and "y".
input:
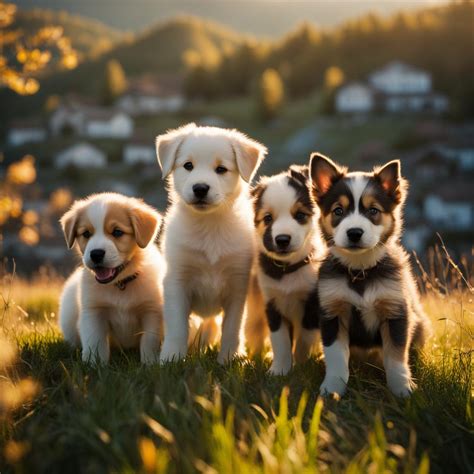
{"x": 60, "y": 415}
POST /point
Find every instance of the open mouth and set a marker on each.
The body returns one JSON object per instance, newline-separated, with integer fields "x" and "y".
{"x": 105, "y": 275}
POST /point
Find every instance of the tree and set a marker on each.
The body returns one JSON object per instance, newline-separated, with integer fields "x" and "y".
{"x": 115, "y": 82}
{"x": 23, "y": 57}
{"x": 333, "y": 78}
{"x": 270, "y": 94}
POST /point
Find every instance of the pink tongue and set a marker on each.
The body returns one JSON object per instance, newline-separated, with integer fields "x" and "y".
{"x": 104, "y": 273}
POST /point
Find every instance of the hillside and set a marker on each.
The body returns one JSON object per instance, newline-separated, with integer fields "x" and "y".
{"x": 258, "y": 17}
{"x": 158, "y": 49}
{"x": 89, "y": 37}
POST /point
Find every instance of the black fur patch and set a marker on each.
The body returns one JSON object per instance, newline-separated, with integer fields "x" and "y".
{"x": 358, "y": 334}
{"x": 329, "y": 330}
{"x": 380, "y": 195}
{"x": 339, "y": 188}
{"x": 357, "y": 280}
{"x": 268, "y": 238}
{"x": 312, "y": 311}
{"x": 274, "y": 316}
{"x": 298, "y": 179}
{"x": 398, "y": 330}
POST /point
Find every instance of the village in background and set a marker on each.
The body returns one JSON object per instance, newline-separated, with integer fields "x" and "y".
{"x": 91, "y": 127}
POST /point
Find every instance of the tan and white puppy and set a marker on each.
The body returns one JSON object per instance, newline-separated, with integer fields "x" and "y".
{"x": 208, "y": 240}
{"x": 116, "y": 296}
{"x": 367, "y": 291}
{"x": 289, "y": 247}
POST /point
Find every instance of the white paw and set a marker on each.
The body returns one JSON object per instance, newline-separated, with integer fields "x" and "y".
{"x": 171, "y": 352}
{"x": 332, "y": 384}
{"x": 280, "y": 369}
{"x": 403, "y": 389}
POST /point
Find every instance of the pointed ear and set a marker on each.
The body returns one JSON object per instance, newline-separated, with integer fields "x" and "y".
{"x": 248, "y": 154}
{"x": 324, "y": 173}
{"x": 299, "y": 173}
{"x": 390, "y": 178}
{"x": 69, "y": 223}
{"x": 167, "y": 146}
{"x": 145, "y": 222}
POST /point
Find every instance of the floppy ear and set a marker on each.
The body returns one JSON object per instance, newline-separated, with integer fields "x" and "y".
{"x": 145, "y": 222}
{"x": 390, "y": 178}
{"x": 167, "y": 147}
{"x": 69, "y": 225}
{"x": 324, "y": 173}
{"x": 248, "y": 154}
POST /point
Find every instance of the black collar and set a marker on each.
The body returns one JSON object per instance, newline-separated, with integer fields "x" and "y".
{"x": 277, "y": 269}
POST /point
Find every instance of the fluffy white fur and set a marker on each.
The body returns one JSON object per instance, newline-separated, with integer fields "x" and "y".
{"x": 92, "y": 314}
{"x": 208, "y": 245}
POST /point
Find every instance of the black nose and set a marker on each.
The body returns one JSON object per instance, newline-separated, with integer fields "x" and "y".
{"x": 97, "y": 255}
{"x": 282, "y": 241}
{"x": 354, "y": 234}
{"x": 200, "y": 190}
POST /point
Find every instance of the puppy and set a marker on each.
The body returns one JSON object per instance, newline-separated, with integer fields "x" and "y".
{"x": 208, "y": 240}
{"x": 367, "y": 291}
{"x": 117, "y": 293}
{"x": 287, "y": 268}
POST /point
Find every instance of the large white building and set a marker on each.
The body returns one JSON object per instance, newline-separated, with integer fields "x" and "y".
{"x": 355, "y": 97}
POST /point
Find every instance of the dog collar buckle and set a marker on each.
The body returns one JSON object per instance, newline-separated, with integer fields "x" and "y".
{"x": 122, "y": 284}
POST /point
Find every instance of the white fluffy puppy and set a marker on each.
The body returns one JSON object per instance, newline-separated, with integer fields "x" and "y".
{"x": 208, "y": 241}
{"x": 116, "y": 295}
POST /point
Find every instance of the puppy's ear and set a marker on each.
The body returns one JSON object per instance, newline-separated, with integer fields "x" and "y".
{"x": 324, "y": 173}
{"x": 167, "y": 147}
{"x": 69, "y": 223}
{"x": 390, "y": 178}
{"x": 146, "y": 223}
{"x": 248, "y": 154}
{"x": 299, "y": 173}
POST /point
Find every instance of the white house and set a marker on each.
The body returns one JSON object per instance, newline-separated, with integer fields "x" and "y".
{"x": 107, "y": 123}
{"x": 150, "y": 95}
{"x": 404, "y": 88}
{"x": 399, "y": 78}
{"x": 139, "y": 150}
{"x": 451, "y": 207}
{"x": 90, "y": 121}
{"x": 27, "y": 131}
{"x": 354, "y": 97}
{"x": 81, "y": 155}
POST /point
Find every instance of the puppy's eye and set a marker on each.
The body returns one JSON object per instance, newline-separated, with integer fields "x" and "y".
{"x": 373, "y": 211}
{"x": 86, "y": 234}
{"x": 221, "y": 170}
{"x": 338, "y": 211}
{"x": 300, "y": 216}
{"x": 267, "y": 218}
{"x": 117, "y": 232}
{"x": 188, "y": 166}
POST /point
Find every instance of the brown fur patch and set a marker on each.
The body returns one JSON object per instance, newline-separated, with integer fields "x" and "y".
{"x": 300, "y": 207}
{"x": 339, "y": 308}
{"x": 118, "y": 217}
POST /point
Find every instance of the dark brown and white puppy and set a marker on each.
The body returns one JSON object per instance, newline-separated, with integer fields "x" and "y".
{"x": 116, "y": 295}
{"x": 368, "y": 294}
{"x": 287, "y": 266}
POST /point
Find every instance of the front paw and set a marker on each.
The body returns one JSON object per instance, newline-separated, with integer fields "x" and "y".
{"x": 171, "y": 352}
{"x": 280, "y": 368}
{"x": 332, "y": 384}
{"x": 402, "y": 388}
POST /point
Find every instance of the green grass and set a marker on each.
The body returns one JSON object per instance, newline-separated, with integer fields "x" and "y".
{"x": 198, "y": 416}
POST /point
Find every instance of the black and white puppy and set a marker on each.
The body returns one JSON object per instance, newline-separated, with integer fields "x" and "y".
{"x": 289, "y": 247}
{"x": 368, "y": 294}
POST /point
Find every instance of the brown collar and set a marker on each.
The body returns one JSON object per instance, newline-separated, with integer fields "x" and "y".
{"x": 122, "y": 284}
{"x": 277, "y": 269}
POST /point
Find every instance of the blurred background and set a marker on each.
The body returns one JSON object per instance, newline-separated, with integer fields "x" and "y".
{"x": 86, "y": 86}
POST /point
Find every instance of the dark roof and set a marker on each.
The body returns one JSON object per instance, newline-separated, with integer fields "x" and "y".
{"x": 27, "y": 123}
{"x": 162, "y": 85}
{"x": 457, "y": 190}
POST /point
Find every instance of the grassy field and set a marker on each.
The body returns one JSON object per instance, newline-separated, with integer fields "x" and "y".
{"x": 60, "y": 415}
